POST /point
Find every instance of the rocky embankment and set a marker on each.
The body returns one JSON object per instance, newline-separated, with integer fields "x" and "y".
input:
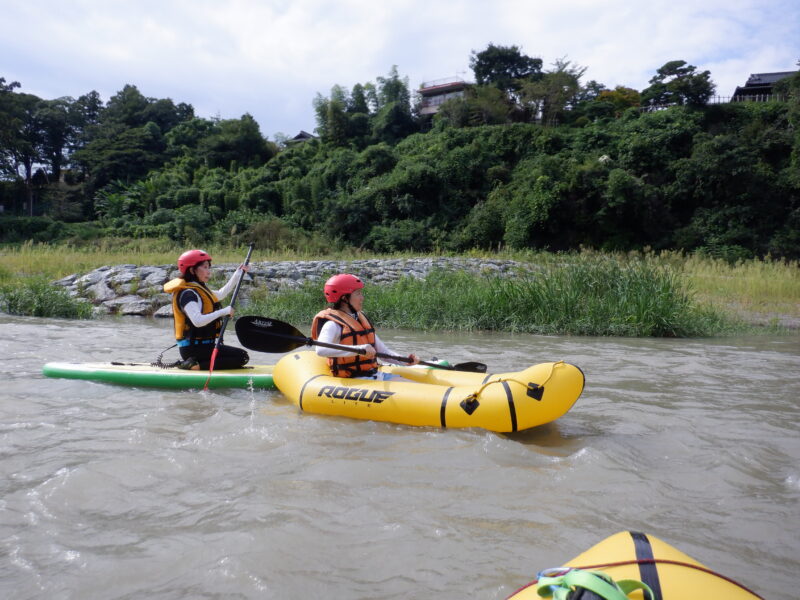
{"x": 139, "y": 290}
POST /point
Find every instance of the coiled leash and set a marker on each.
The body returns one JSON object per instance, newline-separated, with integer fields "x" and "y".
{"x": 162, "y": 365}
{"x": 575, "y": 584}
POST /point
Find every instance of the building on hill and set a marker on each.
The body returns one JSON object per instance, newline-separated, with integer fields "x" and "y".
{"x": 759, "y": 86}
{"x": 434, "y": 93}
{"x": 303, "y": 136}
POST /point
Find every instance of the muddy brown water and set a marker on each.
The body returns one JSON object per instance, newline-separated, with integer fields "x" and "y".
{"x": 114, "y": 492}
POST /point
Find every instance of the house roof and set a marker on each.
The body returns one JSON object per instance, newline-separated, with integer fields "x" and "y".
{"x": 767, "y": 78}
{"x": 442, "y": 86}
{"x": 302, "y": 136}
{"x": 761, "y": 83}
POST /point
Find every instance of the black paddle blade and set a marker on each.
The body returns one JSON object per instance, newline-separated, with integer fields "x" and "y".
{"x": 470, "y": 367}
{"x": 268, "y": 335}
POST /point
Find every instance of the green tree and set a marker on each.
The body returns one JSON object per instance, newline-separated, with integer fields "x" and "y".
{"x": 56, "y": 132}
{"x": 790, "y": 88}
{"x": 23, "y": 138}
{"x": 370, "y": 113}
{"x": 621, "y": 98}
{"x": 84, "y": 119}
{"x": 8, "y": 127}
{"x": 235, "y": 141}
{"x": 393, "y": 89}
{"x": 548, "y": 97}
{"x": 677, "y": 82}
{"x": 504, "y": 67}
{"x": 128, "y": 138}
{"x": 392, "y": 123}
{"x": 332, "y": 120}
{"x": 357, "y": 102}
{"x": 126, "y": 156}
{"x": 480, "y": 105}
{"x": 452, "y": 113}
{"x": 126, "y": 107}
{"x": 131, "y": 108}
{"x": 587, "y": 105}
{"x": 186, "y": 136}
{"x": 488, "y": 105}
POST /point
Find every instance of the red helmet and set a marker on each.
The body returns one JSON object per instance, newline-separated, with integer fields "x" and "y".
{"x": 191, "y": 258}
{"x": 341, "y": 284}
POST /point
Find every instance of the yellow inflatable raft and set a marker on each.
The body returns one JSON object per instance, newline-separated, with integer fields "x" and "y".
{"x": 431, "y": 397}
{"x": 670, "y": 574}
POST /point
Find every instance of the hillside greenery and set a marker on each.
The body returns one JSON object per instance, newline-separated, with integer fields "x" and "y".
{"x": 528, "y": 159}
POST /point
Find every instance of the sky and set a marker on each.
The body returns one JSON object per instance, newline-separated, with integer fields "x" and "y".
{"x": 270, "y": 58}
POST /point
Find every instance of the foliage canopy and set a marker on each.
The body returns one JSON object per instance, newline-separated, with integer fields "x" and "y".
{"x": 527, "y": 158}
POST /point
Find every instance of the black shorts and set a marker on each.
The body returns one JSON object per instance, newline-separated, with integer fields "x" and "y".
{"x": 228, "y": 357}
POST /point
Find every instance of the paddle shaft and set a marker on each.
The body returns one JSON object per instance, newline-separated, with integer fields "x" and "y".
{"x": 307, "y": 341}
{"x": 226, "y": 319}
{"x": 233, "y": 298}
{"x": 264, "y": 334}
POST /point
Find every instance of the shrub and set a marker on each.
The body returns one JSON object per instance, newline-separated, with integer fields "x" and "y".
{"x": 38, "y": 298}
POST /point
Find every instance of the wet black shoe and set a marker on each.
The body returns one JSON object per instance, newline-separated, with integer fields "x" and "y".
{"x": 187, "y": 364}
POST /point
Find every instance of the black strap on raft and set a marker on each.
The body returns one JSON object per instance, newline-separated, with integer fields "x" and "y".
{"x": 648, "y": 571}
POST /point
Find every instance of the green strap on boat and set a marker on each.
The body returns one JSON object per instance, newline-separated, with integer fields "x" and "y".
{"x": 562, "y": 586}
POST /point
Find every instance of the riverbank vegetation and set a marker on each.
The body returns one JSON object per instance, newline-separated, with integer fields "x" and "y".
{"x": 596, "y": 295}
{"x": 37, "y": 297}
{"x": 676, "y": 192}
{"x": 591, "y": 293}
{"x": 529, "y": 158}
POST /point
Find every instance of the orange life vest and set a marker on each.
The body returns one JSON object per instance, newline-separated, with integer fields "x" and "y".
{"x": 183, "y": 326}
{"x": 354, "y": 333}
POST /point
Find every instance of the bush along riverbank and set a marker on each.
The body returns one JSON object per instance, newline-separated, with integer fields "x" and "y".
{"x": 589, "y": 298}
{"x": 580, "y": 295}
{"x": 37, "y": 297}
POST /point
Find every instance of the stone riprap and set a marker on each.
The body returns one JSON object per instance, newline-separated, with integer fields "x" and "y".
{"x": 135, "y": 290}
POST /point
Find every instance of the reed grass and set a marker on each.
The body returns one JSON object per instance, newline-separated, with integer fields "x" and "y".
{"x": 558, "y": 300}
{"x": 593, "y": 297}
{"x": 762, "y": 286}
{"x": 37, "y": 297}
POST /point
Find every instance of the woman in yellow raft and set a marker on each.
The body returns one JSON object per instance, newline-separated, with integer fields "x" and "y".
{"x": 343, "y": 322}
{"x": 343, "y": 385}
{"x": 198, "y": 314}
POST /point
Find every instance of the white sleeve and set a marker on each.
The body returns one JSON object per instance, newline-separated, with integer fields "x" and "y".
{"x": 229, "y": 287}
{"x": 194, "y": 311}
{"x": 331, "y": 333}
{"x": 384, "y": 349}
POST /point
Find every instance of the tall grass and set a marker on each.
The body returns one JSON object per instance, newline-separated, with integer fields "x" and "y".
{"x": 37, "y": 297}
{"x": 765, "y": 286}
{"x": 583, "y": 293}
{"x": 59, "y": 260}
{"x": 600, "y": 296}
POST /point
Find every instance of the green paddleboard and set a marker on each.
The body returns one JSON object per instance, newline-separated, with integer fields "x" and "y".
{"x": 145, "y": 375}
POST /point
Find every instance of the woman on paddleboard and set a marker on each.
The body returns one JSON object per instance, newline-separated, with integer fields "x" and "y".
{"x": 198, "y": 314}
{"x": 344, "y": 323}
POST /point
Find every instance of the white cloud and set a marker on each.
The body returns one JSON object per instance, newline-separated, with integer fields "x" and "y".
{"x": 270, "y": 57}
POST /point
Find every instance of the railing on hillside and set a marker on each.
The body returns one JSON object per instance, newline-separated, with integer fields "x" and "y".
{"x": 438, "y": 82}
{"x": 723, "y": 100}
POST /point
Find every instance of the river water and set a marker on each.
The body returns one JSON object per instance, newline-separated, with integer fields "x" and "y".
{"x": 112, "y": 492}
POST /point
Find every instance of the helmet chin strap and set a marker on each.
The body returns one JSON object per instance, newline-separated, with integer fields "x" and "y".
{"x": 352, "y": 309}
